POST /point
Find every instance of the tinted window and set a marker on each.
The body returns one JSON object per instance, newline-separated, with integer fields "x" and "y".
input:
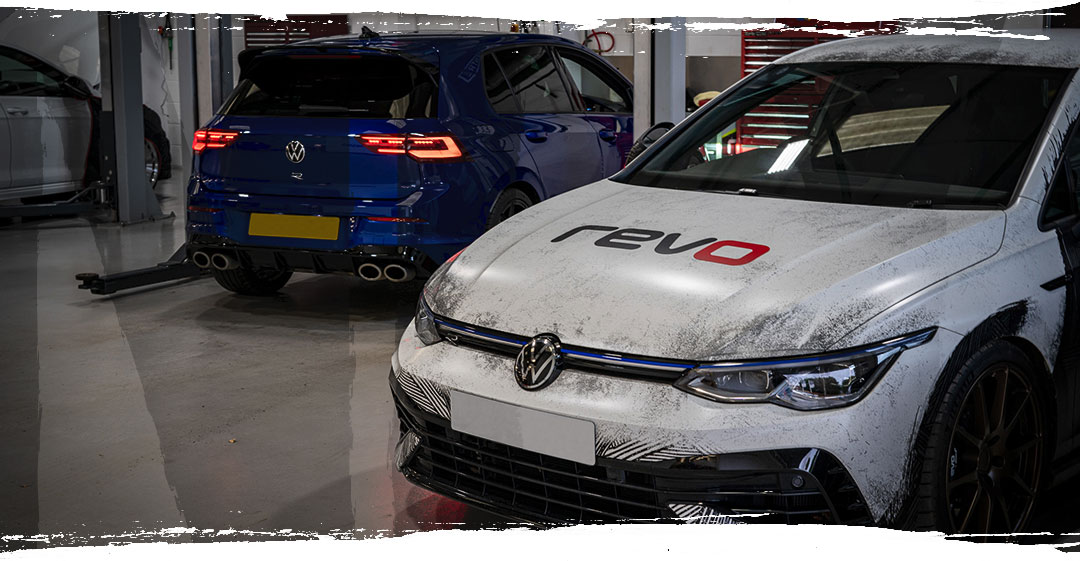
{"x": 902, "y": 134}
{"x": 361, "y": 87}
{"x": 498, "y": 89}
{"x": 1062, "y": 201}
{"x": 598, "y": 94}
{"x": 24, "y": 75}
{"x": 532, "y": 73}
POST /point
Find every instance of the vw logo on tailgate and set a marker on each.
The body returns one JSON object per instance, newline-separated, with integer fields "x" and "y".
{"x": 538, "y": 363}
{"x": 294, "y": 151}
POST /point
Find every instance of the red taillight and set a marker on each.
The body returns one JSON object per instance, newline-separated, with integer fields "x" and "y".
{"x": 436, "y": 148}
{"x": 433, "y": 148}
{"x": 211, "y": 138}
{"x": 384, "y": 143}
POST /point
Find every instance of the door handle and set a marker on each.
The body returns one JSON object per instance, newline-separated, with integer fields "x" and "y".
{"x": 17, "y": 111}
{"x": 608, "y": 135}
{"x": 535, "y": 136}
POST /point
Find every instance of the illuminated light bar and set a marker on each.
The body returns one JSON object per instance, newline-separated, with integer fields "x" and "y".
{"x": 435, "y": 148}
{"x": 203, "y": 209}
{"x": 206, "y": 139}
{"x": 384, "y": 143}
{"x": 395, "y": 219}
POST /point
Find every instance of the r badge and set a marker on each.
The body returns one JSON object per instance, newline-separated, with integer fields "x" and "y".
{"x": 538, "y": 363}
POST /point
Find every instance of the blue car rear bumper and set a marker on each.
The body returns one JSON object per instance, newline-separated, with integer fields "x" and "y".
{"x": 220, "y": 222}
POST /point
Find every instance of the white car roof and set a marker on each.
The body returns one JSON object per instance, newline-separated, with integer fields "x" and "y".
{"x": 1059, "y": 48}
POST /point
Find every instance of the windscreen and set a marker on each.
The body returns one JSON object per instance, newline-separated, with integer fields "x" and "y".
{"x": 354, "y": 86}
{"x": 911, "y": 134}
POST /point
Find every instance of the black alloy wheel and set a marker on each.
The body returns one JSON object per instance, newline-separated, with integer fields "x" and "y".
{"x": 995, "y": 453}
{"x": 510, "y": 202}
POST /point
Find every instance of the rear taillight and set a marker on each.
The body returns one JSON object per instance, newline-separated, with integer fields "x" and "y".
{"x": 210, "y": 138}
{"x": 422, "y": 148}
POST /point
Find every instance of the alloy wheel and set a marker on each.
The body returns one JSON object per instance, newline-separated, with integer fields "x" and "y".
{"x": 995, "y": 454}
{"x": 511, "y": 209}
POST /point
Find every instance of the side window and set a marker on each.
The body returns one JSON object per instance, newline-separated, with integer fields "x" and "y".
{"x": 1062, "y": 201}
{"x": 535, "y": 79}
{"x": 599, "y": 94}
{"x": 498, "y": 89}
{"x": 23, "y": 75}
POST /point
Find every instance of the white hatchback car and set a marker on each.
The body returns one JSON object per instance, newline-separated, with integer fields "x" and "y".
{"x": 844, "y": 291}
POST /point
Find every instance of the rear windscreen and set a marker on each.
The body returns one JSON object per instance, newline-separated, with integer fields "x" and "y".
{"x": 355, "y": 86}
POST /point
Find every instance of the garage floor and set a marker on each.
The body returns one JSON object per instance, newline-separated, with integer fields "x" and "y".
{"x": 186, "y": 405}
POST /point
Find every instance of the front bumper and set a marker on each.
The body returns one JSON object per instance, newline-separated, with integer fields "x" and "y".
{"x": 652, "y": 424}
{"x": 787, "y": 486}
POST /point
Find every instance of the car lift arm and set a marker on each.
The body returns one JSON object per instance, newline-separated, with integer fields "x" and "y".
{"x": 177, "y": 267}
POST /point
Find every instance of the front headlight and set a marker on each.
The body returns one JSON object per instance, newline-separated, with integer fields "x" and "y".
{"x": 425, "y": 324}
{"x": 804, "y": 383}
{"x": 424, "y": 319}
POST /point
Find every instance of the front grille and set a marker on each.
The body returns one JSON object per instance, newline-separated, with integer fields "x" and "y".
{"x": 580, "y": 358}
{"x": 537, "y": 487}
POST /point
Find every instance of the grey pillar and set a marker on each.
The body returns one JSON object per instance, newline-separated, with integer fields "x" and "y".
{"x": 121, "y": 105}
{"x": 189, "y": 103}
{"x": 669, "y": 71}
{"x": 643, "y": 79}
{"x": 221, "y": 58}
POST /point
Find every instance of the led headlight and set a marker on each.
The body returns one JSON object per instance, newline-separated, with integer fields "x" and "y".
{"x": 425, "y": 323}
{"x": 424, "y": 320}
{"x": 805, "y": 383}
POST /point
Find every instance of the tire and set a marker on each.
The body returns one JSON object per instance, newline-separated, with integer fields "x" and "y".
{"x": 252, "y": 282}
{"x": 510, "y": 202}
{"x": 155, "y": 133}
{"x": 983, "y": 464}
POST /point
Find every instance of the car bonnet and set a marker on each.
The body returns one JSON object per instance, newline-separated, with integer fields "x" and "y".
{"x": 795, "y": 277}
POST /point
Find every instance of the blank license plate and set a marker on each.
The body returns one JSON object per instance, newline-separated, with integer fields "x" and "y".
{"x": 293, "y": 226}
{"x": 537, "y": 431}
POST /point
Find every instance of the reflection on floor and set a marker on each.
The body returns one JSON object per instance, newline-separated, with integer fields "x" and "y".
{"x": 186, "y": 405}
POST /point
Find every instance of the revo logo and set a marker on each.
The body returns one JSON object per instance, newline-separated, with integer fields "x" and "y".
{"x": 632, "y": 238}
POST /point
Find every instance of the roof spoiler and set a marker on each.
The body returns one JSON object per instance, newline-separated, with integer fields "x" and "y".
{"x": 249, "y": 54}
{"x": 246, "y": 56}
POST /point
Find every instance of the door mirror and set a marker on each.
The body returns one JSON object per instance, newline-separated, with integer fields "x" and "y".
{"x": 646, "y": 140}
{"x": 76, "y": 87}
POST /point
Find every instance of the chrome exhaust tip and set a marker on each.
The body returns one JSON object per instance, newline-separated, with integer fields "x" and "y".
{"x": 370, "y": 272}
{"x": 399, "y": 273}
{"x": 223, "y": 262}
{"x": 201, "y": 259}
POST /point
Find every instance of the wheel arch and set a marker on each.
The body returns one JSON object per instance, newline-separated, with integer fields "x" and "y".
{"x": 1004, "y": 325}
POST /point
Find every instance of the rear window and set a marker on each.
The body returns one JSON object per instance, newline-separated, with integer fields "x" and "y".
{"x": 354, "y": 86}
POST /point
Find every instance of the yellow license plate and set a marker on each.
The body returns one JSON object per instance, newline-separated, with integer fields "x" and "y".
{"x": 293, "y": 226}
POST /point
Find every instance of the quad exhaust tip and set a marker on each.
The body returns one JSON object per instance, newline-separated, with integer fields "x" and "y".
{"x": 398, "y": 273}
{"x": 201, "y": 259}
{"x": 370, "y": 272}
{"x": 223, "y": 262}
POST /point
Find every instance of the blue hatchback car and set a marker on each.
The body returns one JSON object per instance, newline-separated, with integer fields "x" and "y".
{"x": 382, "y": 156}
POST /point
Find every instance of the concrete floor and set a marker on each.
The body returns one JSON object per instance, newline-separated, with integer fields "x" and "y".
{"x": 119, "y": 413}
